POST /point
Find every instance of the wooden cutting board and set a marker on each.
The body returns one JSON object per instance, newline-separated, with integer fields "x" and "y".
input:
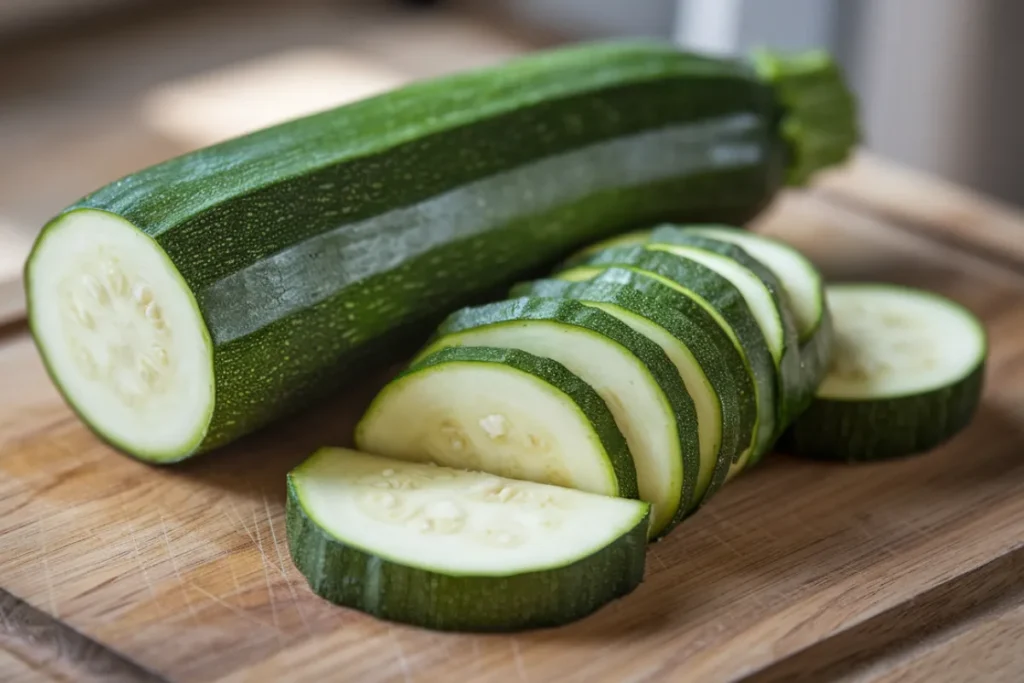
{"x": 116, "y": 570}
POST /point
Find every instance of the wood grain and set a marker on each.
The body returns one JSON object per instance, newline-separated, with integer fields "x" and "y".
{"x": 796, "y": 568}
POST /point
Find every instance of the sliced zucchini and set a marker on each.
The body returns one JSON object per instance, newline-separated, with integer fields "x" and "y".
{"x": 631, "y": 373}
{"x": 723, "y": 302}
{"x": 500, "y": 411}
{"x": 802, "y": 286}
{"x": 763, "y": 294}
{"x": 697, "y": 355}
{"x": 801, "y": 282}
{"x": 455, "y": 550}
{"x": 907, "y": 374}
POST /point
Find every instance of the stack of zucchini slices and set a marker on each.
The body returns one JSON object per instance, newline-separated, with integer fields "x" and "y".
{"x": 535, "y": 445}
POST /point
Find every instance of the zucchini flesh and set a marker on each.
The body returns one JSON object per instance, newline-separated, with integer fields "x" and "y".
{"x": 723, "y": 302}
{"x": 700, "y": 357}
{"x": 632, "y": 375}
{"x": 316, "y": 247}
{"x": 456, "y": 550}
{"x": 907, "y": 374}
{"x": 501, "y": 411}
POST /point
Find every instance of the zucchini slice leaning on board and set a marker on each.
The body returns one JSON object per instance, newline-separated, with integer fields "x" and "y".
{"x": 700, "y": 358}
{"x": 723, "y": 301}
{"x": 456, "y": 550}
{"x": 631, "y": 374}
{"x": 190, "y": 303}
{"x": 502, "y": 411}
{"x": 906, "y": 375}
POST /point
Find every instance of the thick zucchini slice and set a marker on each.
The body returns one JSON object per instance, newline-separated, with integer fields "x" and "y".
{"x": 631, "y": 373}
{"x": 456, "y": 550}
{"x": 723, "y": 302}
{"x": 697, "y": 355}
{"x": 310, "y": 250}
{"x": 907, "y": 374}
{"x": 501, "y": 411}
{"x": 763, "y": 294}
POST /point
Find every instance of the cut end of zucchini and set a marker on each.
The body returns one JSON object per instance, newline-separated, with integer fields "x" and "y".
{"x": 121, "y": 334}
{"x": 820, "y": 113}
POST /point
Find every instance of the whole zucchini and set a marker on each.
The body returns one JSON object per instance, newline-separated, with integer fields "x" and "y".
{"x": 192, "y": 302}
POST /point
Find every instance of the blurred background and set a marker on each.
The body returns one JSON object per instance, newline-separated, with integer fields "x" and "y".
{"x": 93, "y": 89}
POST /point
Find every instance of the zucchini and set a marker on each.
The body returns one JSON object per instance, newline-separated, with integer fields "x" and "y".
{"x": 253, "y": 276}
{"x": 723, "y": 302}
{"x": 631, "y": 373}
{"x": 763, "y": 294}
{"x": 697, "y": 355}
{"x": 907, "y": 374}
{"x": 500, "y": 411}
{"x": 455, "y": 550}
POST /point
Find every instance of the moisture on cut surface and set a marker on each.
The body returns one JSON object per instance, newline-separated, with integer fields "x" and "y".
{"x": 121, "y": 334}
{"x": 891, "y": 342}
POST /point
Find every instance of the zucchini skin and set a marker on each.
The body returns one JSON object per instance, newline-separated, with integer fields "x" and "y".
{"x": 226, "y": 214}
{"x": 864, "y": 430}
{"x": 551, "y": 372}
{"x": 347, "y": 576}
{"x": 715, "y": 354}
{"x": 649, "y": 354}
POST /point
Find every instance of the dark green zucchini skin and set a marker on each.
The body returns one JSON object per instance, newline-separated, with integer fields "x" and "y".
{"x": 344, "y": 574}
{"x": 862, "y": 431}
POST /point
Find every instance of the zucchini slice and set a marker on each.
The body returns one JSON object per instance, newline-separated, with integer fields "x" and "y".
{"x": 697, "y": 355}
{"x": 723, "y": 302}
{"x": 631, "y": 373}
{"x": 501, "y": 411}
{"x": 455, "y": 550}
{"x": 907, "y": 374}
{"x": 763, "y": 294}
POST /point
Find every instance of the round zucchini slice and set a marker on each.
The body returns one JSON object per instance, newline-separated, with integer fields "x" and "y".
{"x": 906, "y": 375}
{"x": 449, "y": 549}
{"x": 500, "y": 411}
